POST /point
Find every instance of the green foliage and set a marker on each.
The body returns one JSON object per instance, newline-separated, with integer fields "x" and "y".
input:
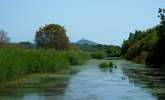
{"x": 147, "y": 46}
{"x": 77, "y": 58}
{"x": 113, "y": 51}
{"x": 156, "y": 57}
{"x": 52, "y": 36}
{"x": 138, "y": 43}
{"x": 106, "y": 64}
{"x": 110, "y": 64}
{"x": 109, "y": 50}
{"x": 133, "y": 51}
{"x": 15, "y": 61}
{"x": 98, "y": 55}
{"x": 141, "y": 58}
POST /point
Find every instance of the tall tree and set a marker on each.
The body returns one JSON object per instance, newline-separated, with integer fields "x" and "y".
{"x": 52, "y": 36}
{"x": 3, "y": 38}
{"x": 157, "y": 57}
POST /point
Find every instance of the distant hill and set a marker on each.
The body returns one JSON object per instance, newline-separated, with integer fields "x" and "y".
{"x": 84, "y": 41}
{"x": 92, "y": 47}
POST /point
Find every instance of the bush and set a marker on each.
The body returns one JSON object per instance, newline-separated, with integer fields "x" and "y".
{"x": 106, "y": 64}
{"x": 110, "y": 64}
{"x": 98, "y": 55}
{"x": 133, "y": 51}
{"x": 76, "y": 58}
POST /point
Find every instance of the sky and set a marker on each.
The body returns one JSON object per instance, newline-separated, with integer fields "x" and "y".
{"x": 102, "y": 21}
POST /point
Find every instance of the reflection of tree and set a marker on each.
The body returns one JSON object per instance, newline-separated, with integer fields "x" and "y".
{"x": 46, "y": 85}
{"x": 151, "y": 78}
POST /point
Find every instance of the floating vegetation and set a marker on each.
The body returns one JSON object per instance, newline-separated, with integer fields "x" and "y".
{"x": 106, "y": 64}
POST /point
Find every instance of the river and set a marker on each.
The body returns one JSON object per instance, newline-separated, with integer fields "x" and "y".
{"x": 126, "y": 81}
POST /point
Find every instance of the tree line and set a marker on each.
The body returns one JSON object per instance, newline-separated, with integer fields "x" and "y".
{"x": 147, "y": 46}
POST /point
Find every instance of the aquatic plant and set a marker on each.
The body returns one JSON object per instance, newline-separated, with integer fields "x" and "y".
{"x": 106, "y": 64}
{"x": 16, "y": 62}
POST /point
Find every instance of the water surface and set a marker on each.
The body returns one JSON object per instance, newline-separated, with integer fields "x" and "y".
{"x": 128, "y": 81}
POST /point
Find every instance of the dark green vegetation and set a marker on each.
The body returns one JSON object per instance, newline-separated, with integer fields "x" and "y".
{"x": 147, "y": 46}
{"x": 52, "y": 36}
{"x": 52, "y": 54}
{"x": 157, "y": 56}
{"x": 98, "y": 55}
{"x": 139, "y": 44}
{"x": 15, "y": 62}
{"x": 106, "y": 64}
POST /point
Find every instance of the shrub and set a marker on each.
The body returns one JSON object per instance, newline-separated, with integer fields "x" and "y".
{"x": 74, "y": 58}
{"x": 106, "y": 64}
{"x": 98, "y": 55}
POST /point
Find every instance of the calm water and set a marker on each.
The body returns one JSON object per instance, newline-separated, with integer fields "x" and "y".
{"x": 128, "y": 81}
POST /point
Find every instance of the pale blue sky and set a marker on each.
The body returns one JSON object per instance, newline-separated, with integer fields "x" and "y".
{"x": 102, "y": 21}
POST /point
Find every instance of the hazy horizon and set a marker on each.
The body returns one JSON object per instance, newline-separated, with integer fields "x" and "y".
{"x": 101, "y": 21}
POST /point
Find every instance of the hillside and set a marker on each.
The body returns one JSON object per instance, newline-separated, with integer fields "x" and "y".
{"x": 85, "y": 42}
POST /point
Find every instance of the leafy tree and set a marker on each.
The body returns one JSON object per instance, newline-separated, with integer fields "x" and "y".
{"x": 157, "y": 56}
{"x": 125, "y": 47}
{"x": 113, "y": 51}
{"x": 139, "y": 43}
{"x": 52, "y": 36}
{"x": 4, "y": 39}
{"x": 133, "y": 51}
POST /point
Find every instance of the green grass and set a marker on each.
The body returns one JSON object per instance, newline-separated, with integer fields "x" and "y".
{"x": 16, "y": 62}
{"x": 77, "y": 58}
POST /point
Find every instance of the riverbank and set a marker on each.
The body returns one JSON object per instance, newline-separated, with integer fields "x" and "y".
{"x": 54, "y": 83}
{"x": 16, "y": 62}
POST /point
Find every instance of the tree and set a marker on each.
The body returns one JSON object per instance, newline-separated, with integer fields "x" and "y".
{"x": 52, "y": 36}
{"x": 133, "y": 51}
{"x": 4, "y": 39}
{"x": 157, "y": 56}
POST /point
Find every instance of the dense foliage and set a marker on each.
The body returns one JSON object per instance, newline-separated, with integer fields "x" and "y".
{"x": 52, "y": 53}
{"x": 16, "y": 61}
{"x": 157, "y": 56}
{"x": 106, "y": 64}
{"x": 147, "y": 46}
{"x": 98, "y": 55}
{"x": 52, "y": 36}
{"x": 139, "y": 44}
{"x": 101, "y": 51}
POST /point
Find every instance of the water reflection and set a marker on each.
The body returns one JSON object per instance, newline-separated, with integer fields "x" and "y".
{"x": 94, "y": 83}
{"x": 128, "y": 81}
{"x": 110, "y": 70}
{"x": 46, "y": 88}
{"x": 149, "y": 78}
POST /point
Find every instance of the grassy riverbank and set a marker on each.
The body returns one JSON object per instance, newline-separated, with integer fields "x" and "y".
{"x": 16, "y": 62}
